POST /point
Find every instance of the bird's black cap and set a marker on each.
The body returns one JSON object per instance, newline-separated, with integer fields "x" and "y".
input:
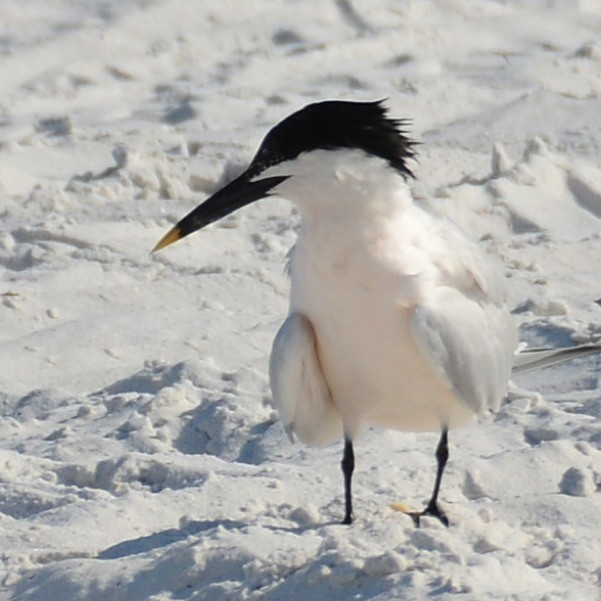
{"x": 336, "y": 124}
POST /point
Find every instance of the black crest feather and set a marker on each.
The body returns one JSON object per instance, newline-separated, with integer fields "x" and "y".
{"x": 336, "y": 124}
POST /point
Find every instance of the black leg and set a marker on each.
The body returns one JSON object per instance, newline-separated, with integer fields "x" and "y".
{"x": 348, "y": 465}
{"x": 442, "y": 456}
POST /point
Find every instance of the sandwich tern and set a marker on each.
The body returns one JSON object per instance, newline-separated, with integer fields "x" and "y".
{"x": 396, "y": 318}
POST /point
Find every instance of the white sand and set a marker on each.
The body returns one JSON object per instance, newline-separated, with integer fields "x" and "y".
{"x": 139, "y": 456}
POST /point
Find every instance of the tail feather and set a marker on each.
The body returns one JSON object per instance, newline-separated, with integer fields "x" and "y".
{"x": 532, "y": 359}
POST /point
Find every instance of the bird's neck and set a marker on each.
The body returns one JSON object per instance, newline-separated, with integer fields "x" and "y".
{"x": 342, "y": 190}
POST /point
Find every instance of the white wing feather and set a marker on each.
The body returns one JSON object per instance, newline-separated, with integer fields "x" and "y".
{"x": 300, "y": 392}
{"x": 467, "y": 346}
{"x": 465, "y": 330}
{"x": 526, "y": 360}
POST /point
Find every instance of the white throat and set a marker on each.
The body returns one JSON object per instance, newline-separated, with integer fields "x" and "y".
{"x": 342, "y": 184}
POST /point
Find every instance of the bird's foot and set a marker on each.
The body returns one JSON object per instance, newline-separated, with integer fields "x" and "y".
{"x": 431, "y": 509}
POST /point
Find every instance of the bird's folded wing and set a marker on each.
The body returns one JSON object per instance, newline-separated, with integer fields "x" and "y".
{"x": 300, "y": 392}
{"x": 469, "y": 343}
{"x": 527, "y": 360}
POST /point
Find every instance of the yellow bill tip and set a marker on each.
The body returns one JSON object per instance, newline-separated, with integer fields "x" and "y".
{"x": 173, "y": 235}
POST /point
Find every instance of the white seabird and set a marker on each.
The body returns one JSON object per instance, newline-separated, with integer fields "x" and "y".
{"x": 396, "y": 318}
